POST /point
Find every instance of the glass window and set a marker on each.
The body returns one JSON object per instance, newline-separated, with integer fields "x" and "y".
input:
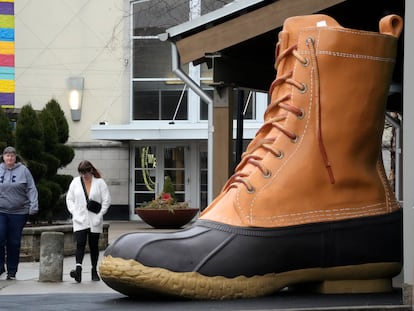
{"x": 212, "y": 5}
{"x": 203, "y": 179}
{"x": 159, "y": 100}
{"x": 153, "y": 100}
{"x": 174, "y": 105}
{"x": 246, "y": 98}
{"x": 152, "y": 17}
{"x": 146, "y": 105}
{"x": 152, "y": 59}
{"x": 248, "y": 102}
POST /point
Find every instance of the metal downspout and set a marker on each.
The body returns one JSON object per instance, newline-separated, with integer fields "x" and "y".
{"x": 199, "y": 91}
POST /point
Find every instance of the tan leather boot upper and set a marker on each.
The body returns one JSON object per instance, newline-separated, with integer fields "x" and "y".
{"x": 317, "y": 157}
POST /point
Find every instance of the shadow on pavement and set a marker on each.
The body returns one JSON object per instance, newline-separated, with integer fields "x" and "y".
{"x": 281, "y": 301}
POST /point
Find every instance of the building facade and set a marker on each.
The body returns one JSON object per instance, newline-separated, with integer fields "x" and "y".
{"x": 137, "y": 122}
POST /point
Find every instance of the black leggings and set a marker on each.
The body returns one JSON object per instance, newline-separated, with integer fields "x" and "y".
{"x": 93, "y": 239}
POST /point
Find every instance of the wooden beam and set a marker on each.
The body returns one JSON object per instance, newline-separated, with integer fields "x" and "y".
{"x": 222, "y": 137}
{"x": 246, "y": 26}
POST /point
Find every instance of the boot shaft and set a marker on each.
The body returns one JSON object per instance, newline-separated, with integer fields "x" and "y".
{"x": 347, "y": 87}
{"x": 318, "y": 155}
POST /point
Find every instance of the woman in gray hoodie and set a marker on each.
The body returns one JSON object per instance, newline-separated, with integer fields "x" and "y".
{"x": 18, "y": 200}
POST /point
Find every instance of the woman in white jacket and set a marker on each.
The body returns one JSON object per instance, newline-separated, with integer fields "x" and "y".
{"x": 87, "y": 224}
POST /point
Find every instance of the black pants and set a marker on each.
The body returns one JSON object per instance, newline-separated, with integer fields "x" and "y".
{"x": 93, "y": 241}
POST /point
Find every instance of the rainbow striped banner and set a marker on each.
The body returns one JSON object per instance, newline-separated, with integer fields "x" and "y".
{"x": 7, "y": 53}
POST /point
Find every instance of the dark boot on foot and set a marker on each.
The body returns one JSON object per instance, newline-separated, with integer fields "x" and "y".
{"x": 95, "y": 276}
{"x": 77, "y": 274}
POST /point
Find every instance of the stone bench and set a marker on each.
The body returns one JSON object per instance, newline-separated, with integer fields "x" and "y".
{"x": 30, "y": 243}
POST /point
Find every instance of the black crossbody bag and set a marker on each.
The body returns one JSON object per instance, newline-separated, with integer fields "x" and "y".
{"x": 91, "y": 205}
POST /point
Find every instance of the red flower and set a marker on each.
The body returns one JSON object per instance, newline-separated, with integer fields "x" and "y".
{"x": 166, "y": 196}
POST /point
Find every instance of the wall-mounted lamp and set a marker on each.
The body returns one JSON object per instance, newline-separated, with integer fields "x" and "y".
{"x": 75, "y": 86}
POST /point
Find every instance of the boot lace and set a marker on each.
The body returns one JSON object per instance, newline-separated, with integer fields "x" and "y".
{"x": 249, "y": 157}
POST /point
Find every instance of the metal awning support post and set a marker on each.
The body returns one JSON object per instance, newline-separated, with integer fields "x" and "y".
{"x": 176, "y": 68}
{"x": 396, "y": 124}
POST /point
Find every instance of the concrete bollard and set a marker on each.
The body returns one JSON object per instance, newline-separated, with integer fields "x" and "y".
{"x": 51, "y": 257}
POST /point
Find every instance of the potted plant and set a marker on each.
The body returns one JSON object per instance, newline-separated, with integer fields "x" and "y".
{"x": 165, "y": 212}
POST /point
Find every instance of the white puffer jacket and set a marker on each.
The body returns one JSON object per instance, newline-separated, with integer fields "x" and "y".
{"x": 76, "y": 204}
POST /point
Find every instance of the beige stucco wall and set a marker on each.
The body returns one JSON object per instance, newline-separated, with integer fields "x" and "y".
{"x": 55, "y": 40}
{"x": 59, "y": 39}
{"x": 112, "y": 160}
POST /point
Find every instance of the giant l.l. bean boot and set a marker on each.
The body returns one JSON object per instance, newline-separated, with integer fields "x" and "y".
{"x": 310, "y": 202}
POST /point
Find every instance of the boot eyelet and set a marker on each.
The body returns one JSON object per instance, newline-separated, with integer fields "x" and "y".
{"x": 303, "y": 89}
{"x": 294, "y": 140}
{"x": 302, "y": 114}
{"x": 251, "y": 190}
{"x": 280, "y": 155}
{"x": 267, "y": 174}
{"x": 310, "y": 40}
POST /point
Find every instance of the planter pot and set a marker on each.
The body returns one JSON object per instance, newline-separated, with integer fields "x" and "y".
{"x": 166, "y": 219}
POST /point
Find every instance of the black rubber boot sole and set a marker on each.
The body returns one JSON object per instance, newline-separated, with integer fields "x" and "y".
{"x": 215, "y": 261}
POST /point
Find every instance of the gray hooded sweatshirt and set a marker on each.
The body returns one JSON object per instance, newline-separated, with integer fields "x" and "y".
{"x": 18, "y": 193}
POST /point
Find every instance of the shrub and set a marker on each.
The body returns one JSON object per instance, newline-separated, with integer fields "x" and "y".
{"x": 40, "y": 139}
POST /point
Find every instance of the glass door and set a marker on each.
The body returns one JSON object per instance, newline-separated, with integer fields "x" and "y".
{"x": 145, "y": 185}
{"x": 152, "y": 164}
{"x": 174, "y": 166}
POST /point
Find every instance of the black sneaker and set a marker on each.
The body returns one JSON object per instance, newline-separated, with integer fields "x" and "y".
{"x": 2, "y": 270}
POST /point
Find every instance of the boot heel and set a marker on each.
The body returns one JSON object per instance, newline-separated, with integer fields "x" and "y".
{"x": 352, "y": 286}
{"x": 76, "y": 274}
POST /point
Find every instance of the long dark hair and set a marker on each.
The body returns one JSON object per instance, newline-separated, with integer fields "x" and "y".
{"x": 87, "y": 167}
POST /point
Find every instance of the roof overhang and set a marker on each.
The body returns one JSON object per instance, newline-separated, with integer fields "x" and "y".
{"x": 161, "y": 130}
{"x": 238, "y": 40}
{"x": 235, "y": 23}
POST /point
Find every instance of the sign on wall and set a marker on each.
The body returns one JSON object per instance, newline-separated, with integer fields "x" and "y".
{"x": 7, "y": 53}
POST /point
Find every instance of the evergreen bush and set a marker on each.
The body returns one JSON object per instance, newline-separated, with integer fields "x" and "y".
{"x": 40, "y": 140}
{"x": 6, "y": 131}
